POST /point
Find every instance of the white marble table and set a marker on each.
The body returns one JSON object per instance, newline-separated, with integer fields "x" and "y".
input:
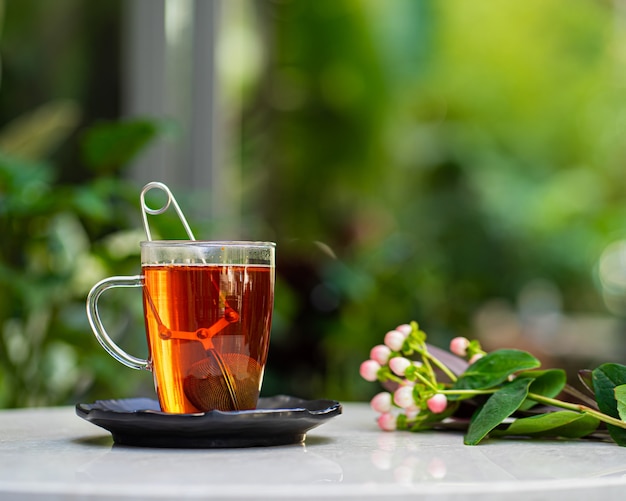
{"x": 52, "y": 454}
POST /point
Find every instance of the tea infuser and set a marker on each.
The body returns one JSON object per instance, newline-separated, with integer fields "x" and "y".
{"x": 145, "y": 210}
{"x": 210, "y": 383}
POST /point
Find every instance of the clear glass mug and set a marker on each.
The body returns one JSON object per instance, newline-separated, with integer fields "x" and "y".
{"x": 208, "y": 309}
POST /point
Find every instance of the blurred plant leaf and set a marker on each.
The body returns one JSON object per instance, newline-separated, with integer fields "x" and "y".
{"x": 109, "y": 146}
{"x": 24, "y": 186}
{"x": 90, "y": 203}
{"x": 37, "y": 134}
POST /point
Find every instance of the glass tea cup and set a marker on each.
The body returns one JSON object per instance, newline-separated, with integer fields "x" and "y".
{"x": 208, "y": 310}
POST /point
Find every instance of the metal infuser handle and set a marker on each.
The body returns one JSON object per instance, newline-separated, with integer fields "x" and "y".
{"x": 145, "y": 210}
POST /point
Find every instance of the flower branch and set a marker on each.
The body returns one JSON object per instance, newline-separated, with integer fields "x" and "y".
{"x": 502, "y": 388}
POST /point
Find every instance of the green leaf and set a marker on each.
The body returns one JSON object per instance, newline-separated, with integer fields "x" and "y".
{"x": 25, "y": 187}
{"x": 36, "y": 134}
{"x": 109, "y": 146}
{"x": 494, "y": 369}
{"x": 88, "y": 202}
{"x": 496, "y": 409}
{"x": 566, "y": 424}
{"x": 585, "y": 376}
{"x": 620, "y": 396}
{"x": 474, "y": 347}
{"x": 605, "y": 379}
{"x": 548, "y": 383}
{"x": 401, "y": 422}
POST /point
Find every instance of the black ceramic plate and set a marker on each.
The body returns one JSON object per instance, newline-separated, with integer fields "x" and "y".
{"x": 278, "y": 420}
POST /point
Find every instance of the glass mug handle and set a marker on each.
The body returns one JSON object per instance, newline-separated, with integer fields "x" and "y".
{"x": 98, "y": 328}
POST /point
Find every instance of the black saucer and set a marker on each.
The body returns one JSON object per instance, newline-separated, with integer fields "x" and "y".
{"x": 278, "y": 420}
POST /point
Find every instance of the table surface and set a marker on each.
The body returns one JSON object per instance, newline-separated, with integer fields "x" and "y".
{"x": 53, "y": 454}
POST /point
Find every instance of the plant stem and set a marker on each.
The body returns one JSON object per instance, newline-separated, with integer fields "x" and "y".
{"x": 440, "y": 365}
{"x": 394, "y": 378}
{"x": 578, "y": 408}
{"x": 425, "y": 361}
{"x": 467, "y": 392}
{"x": 427, "y": 382}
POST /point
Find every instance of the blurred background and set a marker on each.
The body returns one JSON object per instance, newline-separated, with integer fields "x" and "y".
{"x": 455, "y": 163}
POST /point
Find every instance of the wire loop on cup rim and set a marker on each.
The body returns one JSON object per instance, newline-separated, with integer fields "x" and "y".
{"x": 145, "y": 210}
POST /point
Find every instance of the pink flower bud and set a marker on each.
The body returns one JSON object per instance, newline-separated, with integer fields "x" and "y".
{"x": 394, "y": 339}
{"x": 412, "y": 412}
{"x": 399, "y": 365}
{"x": 459, "y": 345}
{"x": 369, "y": 370}
{"x": 403, "y": 397}
{"x": 387, "y": 422}
{"x": 380, "y": 353}
{"x": 475, "y": 357}
{"x": 437, "y": 403}
{"x": 381, "y": 402}
{"x": 405, "y": 329}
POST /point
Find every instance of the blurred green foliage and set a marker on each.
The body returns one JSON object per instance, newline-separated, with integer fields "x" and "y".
{"x": 414, "y": 159}
{"x": 448, "y": 152}
{"x": 58, "y": 240}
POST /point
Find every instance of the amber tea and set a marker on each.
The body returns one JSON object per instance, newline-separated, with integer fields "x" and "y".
{"x": 208, "y": 334}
